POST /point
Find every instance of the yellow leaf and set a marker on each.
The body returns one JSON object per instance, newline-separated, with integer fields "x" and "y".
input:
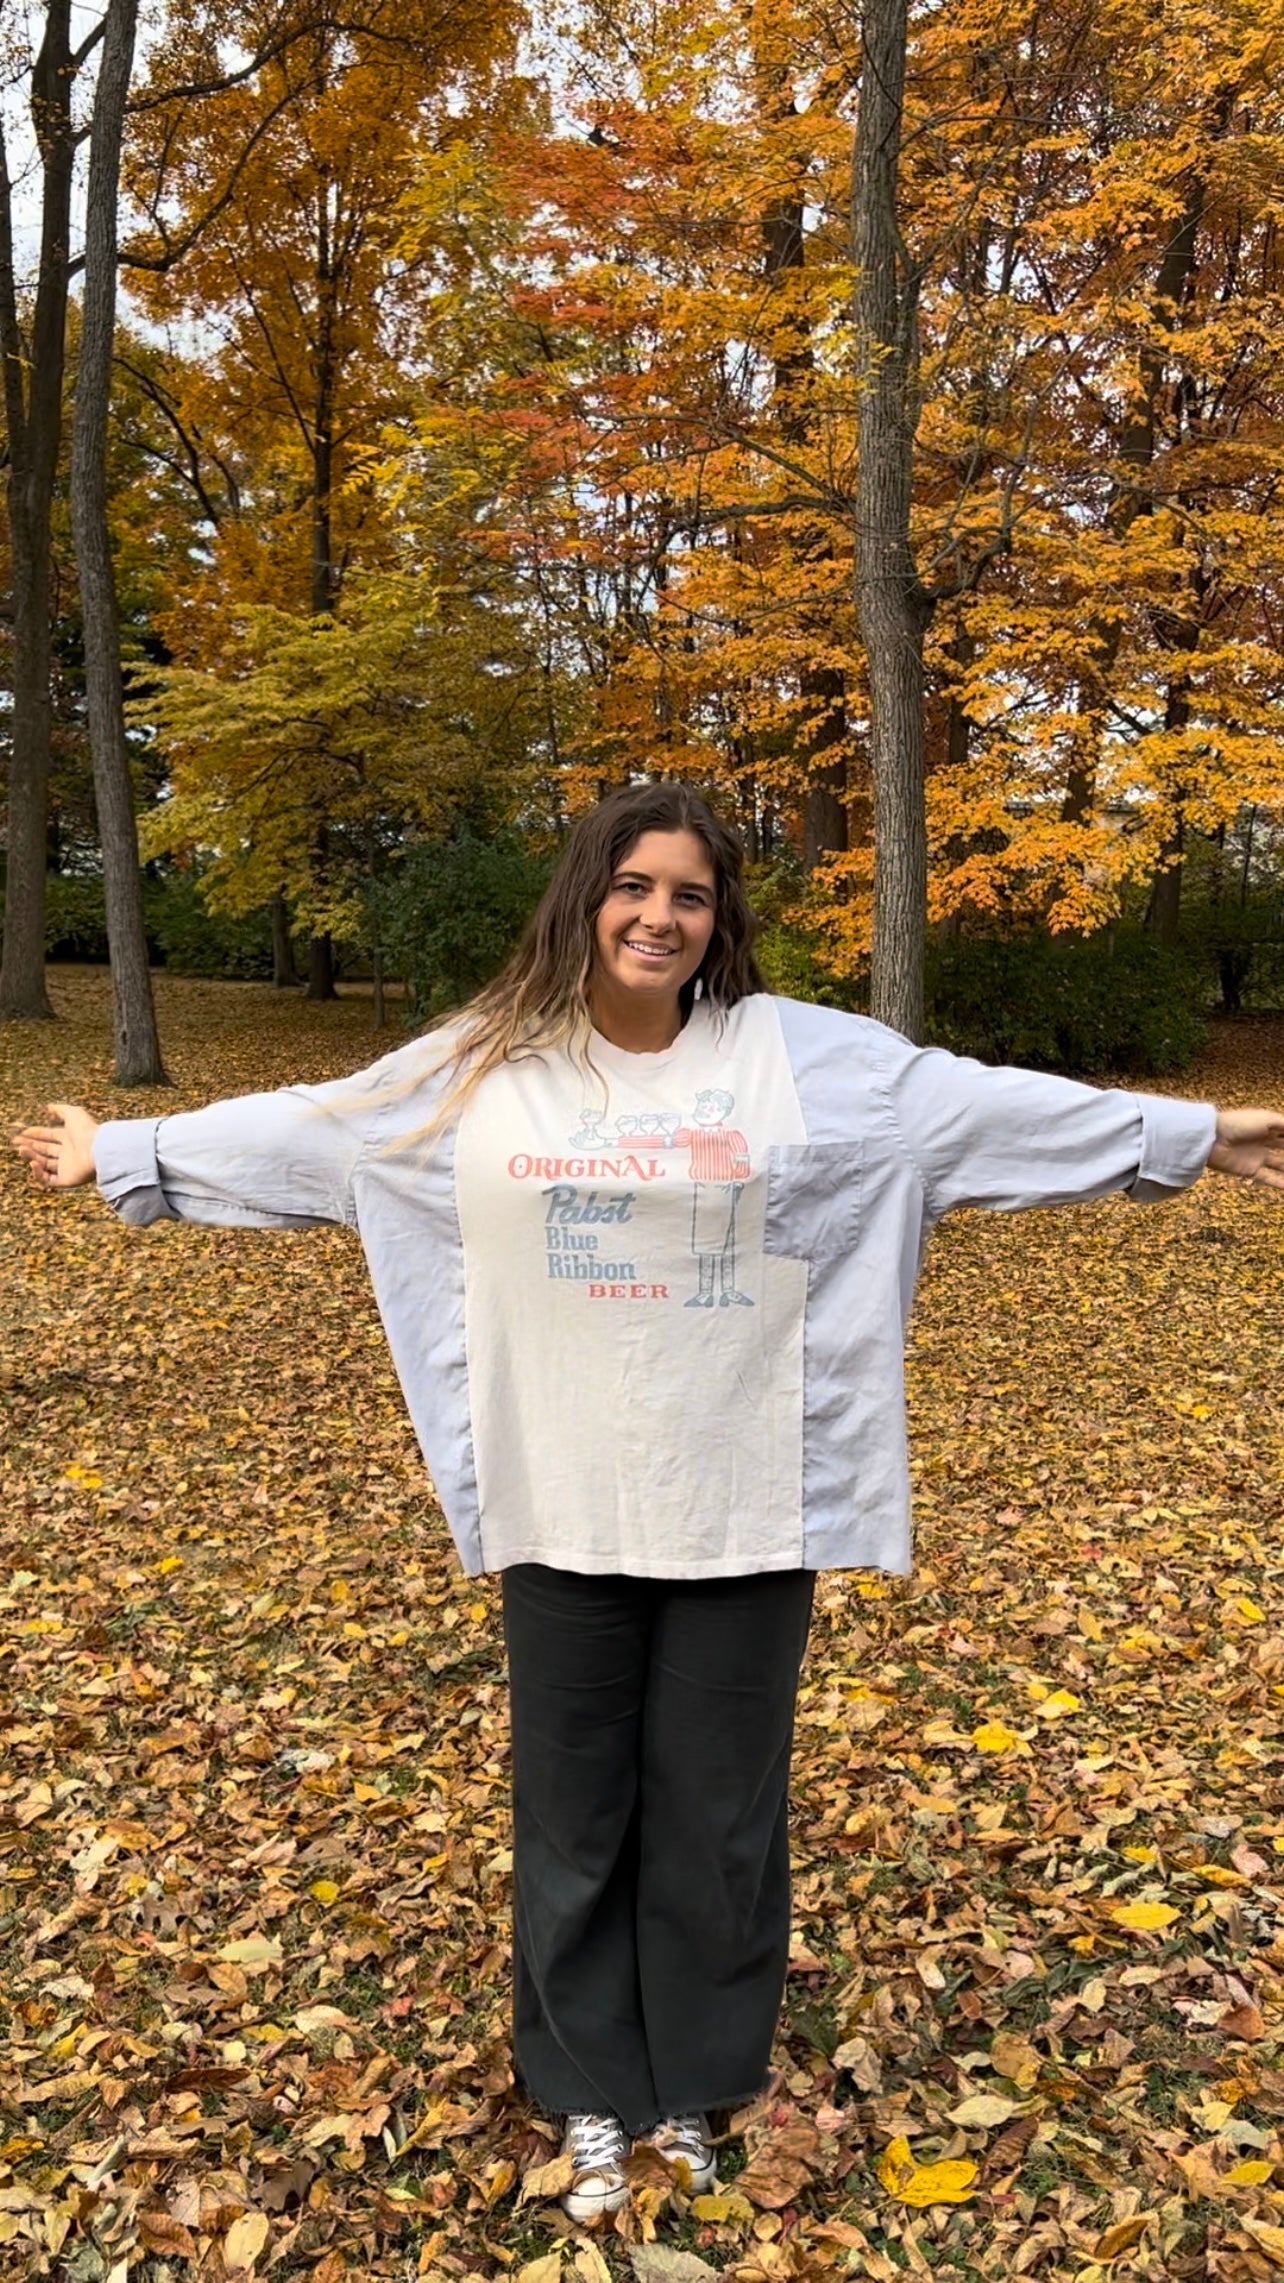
{"x": 1141, "y": 1854}
{"x": 1271, "y": 2239}
{"x": 1143, "y": 1917}
{"x": 325, "y": 1891}
{"x": 1056, "y": 1706}
{"x": 1248, "y": 1612}
{"x": 171, "y": 1563}
{"x": 477, "y": 1610}
{"x": 545, "y": 2269}
{"x": 245, "y": 2240}
{"x": 1252, "y": 2173}
{"x": 1125, "y": 2235}
{"x": 923, "y": 2184}
{"x": 1218, "y": 1875}
{"x": 726, "y": 2205}
{"x": 942, "y": 1732}
{"x": 994, "y": 1737}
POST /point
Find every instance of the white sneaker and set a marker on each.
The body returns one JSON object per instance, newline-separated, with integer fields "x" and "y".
{"x": 597, "y": 2146}
{"x": 688, "y": 2138}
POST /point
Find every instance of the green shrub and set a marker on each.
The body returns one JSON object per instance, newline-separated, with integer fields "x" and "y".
{"x": 1240, "y": 942}
{"x": 184, "y": 935}
{"x": 793, "y": 967}
{"x": 1110, "y": 1002}
{"x": 790, "y": 953}
{"x": 75, "y": 918}
{"x": 453, "y": 911}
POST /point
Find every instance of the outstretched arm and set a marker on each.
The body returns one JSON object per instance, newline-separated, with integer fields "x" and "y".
{"x": 1013, "y": 1138}
{"x": 282, "y": 1160}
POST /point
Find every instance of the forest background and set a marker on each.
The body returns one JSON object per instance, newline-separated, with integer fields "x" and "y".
{"x": 482, "y": 427}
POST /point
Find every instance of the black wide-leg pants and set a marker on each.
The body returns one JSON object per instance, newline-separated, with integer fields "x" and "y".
{"x": 652, "y": 1722}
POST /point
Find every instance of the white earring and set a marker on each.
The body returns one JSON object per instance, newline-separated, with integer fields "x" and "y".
{"x": 698, "y": 993}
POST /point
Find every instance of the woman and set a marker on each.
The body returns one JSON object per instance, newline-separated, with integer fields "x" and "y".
{"x": 644, "y": 1239}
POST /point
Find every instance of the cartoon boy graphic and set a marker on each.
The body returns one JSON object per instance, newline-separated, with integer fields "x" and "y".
{"x": 719, "y": 1163}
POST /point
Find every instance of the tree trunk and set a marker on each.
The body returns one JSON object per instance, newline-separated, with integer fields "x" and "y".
{"x": 284, "y": 972}
{"x": 1164, "y": 916}
{"x": 823, "y": 688}
{"x": 323, "y": 579}
{"x": 825, "y": 806}
{"x": 1233, "y": 970}
{"x": 138, "y": 1055}
{"x": 23, "y": 996}
{"x": 33, "y": 373}
{"x": 892, "y": 605}
{"x": 321, "y": 947}
{"x": 321, "y": 968}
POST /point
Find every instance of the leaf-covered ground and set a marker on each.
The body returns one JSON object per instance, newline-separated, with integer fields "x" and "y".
{"x": 253, "y": 1814}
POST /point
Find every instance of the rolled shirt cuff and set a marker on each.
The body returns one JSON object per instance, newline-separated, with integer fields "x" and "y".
{"x": 128, "y": 1171}
{"x": 1176, "y": 1138}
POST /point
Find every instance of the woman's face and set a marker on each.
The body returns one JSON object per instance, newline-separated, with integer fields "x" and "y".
{"x": 654, "y": 928}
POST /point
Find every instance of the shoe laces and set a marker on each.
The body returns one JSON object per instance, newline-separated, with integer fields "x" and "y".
{"x": 683, "y": 2136}
{"x": 596, "y": 2144}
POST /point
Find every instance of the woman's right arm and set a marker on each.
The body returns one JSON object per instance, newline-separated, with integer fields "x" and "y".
{"x": 282, "y": 1160}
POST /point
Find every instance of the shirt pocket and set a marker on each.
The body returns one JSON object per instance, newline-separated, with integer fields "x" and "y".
{"x": 813, "y": 1200}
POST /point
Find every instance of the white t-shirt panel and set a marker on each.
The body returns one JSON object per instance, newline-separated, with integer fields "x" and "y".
{"x": 635, "y": 1358}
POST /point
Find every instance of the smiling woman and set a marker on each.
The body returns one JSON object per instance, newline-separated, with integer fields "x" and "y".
{"x": 644, "y": 1239}
{"x": 651, "y": 934}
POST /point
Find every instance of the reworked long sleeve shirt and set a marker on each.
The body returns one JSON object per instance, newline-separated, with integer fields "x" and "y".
{"x": 612, "y": 1364}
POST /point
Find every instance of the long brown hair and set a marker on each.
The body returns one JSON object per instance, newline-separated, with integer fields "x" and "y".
{"x": 540, "y": 1000}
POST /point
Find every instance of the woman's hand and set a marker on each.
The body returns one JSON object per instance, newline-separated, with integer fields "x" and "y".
{"x": 1250, "y": 1145}
{"x": 62, "y": 1156}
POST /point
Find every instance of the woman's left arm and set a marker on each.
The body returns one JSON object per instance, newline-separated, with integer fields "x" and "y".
{"x": 1013, "y": 1138}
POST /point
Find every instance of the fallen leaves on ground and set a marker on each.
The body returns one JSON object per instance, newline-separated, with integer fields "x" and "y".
{"x": 254, "y": 1845}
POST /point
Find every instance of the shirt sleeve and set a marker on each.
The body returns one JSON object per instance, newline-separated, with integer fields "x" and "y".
{"x": 260, "y": 1161}
{"x": 1015, "y": 1138}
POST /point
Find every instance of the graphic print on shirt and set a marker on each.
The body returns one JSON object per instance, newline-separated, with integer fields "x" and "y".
{"x": 719, "y": 1165}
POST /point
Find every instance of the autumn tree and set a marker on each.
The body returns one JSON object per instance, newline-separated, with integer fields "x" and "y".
{"x": 275, "y": 222}
{"x": 1120, "y": 671}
